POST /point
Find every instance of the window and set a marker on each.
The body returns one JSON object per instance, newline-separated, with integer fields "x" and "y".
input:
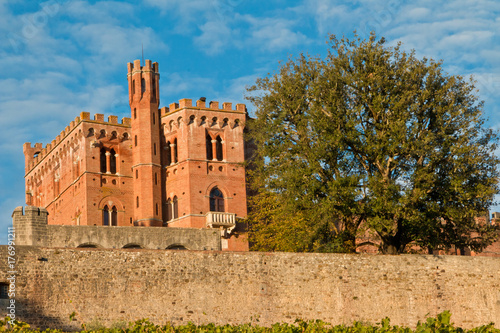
{"x": 137, "y": 202}
{"x": 169, "y": 210}
{"x": 208, "y": 143}
{"x": 175, "y": 208}
{"x": 156, "y": 178}
{"x": 114, "y": 216}
{"x": 154, "y": 88}
{"x": 112, "y": 161}
{"x": 105, "y": 215}
{"x": 103, "y": 160}
{"x": 154, "y": 149}
{"x": 175, "y": 150}
{"x": 4, "y": 290}
{"x": 135, "y": 140}
{"x": 216, "y": 200}
{"x": 136, "y": 173}
{"x": 218, "y": 148}
{"x": 143, "y": 85}
{"x": 168, "y": 154}
{"x": 133, "y": 87}
{"x": 135, "y": 113}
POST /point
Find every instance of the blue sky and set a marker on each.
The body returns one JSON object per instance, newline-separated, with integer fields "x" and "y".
{"x": 61, "y": 57}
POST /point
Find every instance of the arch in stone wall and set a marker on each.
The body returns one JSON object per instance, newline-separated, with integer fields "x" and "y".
{"x": 89, "y": 245}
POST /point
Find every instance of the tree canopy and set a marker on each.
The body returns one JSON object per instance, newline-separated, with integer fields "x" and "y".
{"x": 369, "y": 139}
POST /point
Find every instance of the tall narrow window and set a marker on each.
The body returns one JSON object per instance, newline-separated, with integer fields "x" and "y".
{"x": 143, "y": 85}
{"x": 208, "y": 143}
{"x": 156, "y": 178}
{"x": 133, "y": 87}
{"x": 154, "y": 148}
{"x": 218, "y": 148}
{"x": 216, "y": 200}
{"x": 135, "y": 140}
{"x": 135, "y": 113}
{"x": 136, "y": 173}
{"x": 169, "y": 210}
{"x": 175, "y": 207}
{"x": 175, "y": 150}
{"x": 105, "y": 216}
{"x": 114, "y": 216}
{"x": 112, "y": 161}
{"x": 103, "y": 160}
{"x": 168, "y": 154}
{"x": 154, "y": 88}
{"x": 137, "y": 202}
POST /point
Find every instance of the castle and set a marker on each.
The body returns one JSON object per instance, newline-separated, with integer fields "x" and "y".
{"x": 178, "y": 167}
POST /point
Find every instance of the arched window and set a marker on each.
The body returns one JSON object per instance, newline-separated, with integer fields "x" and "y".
{"x": 112, "y": 161}
{"x": 114, "y": 216}
{"x": 218, "y": 148}
{"x": 175, "y": 208}
{"x": 208, "y": 143}
{"x": 103, "y": 160}
{"x": 168, "y": 154}
{"x": 216, "y": 200}
{"x": 143, "y": 85}
{"x": 169, "y": 210}
{"x": 105, "y": 215}
{"x": 175, "y": 150}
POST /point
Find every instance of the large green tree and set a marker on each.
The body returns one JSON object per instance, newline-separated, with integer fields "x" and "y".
{"x": 371, "y": 137}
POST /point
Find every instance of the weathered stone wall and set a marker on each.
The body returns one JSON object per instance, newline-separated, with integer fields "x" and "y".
{"x": 223, "y": 287}
{"x": 31, "y": 228}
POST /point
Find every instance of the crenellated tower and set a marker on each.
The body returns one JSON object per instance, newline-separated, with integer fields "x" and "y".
{"x": 144, "y": 99}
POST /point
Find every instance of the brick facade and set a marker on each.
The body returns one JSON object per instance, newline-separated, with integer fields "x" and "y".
{"x": 178, "y": 166}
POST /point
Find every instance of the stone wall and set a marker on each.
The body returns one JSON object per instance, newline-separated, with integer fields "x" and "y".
{"x": 32, "y": 229}
{"x": 222, "y": 287}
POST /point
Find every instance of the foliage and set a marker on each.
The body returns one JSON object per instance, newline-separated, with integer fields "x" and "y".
{"x": 441, "y": 324}
{"x": 370, "y": 136}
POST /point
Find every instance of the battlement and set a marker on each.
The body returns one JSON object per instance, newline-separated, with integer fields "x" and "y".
{"x": 201, "y": 104}
{"x": 136, "y": 66}
{"x": 33, "y": 155}
{"x": 30, "y": 225}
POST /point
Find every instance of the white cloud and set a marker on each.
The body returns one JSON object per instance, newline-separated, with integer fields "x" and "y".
{"x": 274, "y": 34}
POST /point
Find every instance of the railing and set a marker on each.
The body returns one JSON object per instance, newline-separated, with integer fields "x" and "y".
{"x": 226, "y": 222}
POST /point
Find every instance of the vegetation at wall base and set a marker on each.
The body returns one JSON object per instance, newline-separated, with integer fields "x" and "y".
{"x": 442, "y": 324}
{"x": 369, "y": 139}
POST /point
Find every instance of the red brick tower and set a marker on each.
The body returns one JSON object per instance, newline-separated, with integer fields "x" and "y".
{"x": 144, "y": 98}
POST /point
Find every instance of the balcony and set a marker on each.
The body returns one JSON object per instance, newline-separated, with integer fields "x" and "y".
{"x": 226, "y": 222}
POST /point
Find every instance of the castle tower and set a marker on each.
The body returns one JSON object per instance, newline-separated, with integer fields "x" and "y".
{"x": 146, "y": 165}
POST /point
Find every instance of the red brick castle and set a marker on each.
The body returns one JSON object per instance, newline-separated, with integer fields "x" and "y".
{"x": 179, "y": 166}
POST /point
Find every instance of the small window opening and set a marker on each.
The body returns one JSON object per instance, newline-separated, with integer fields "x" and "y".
{"x": 218, "y": 148}
{"x": 176, "y": 207}
{"x": 105, "y": 216}
{"x": 112, "y": 161}
{"x": 114, "y": 216}
{"x": 175, "y": 150}
{"x": 143, "y": 85}
{"x": 103, "y": 160}
{"x": 137, "y": 202}
{"x": 208, "y": 143}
